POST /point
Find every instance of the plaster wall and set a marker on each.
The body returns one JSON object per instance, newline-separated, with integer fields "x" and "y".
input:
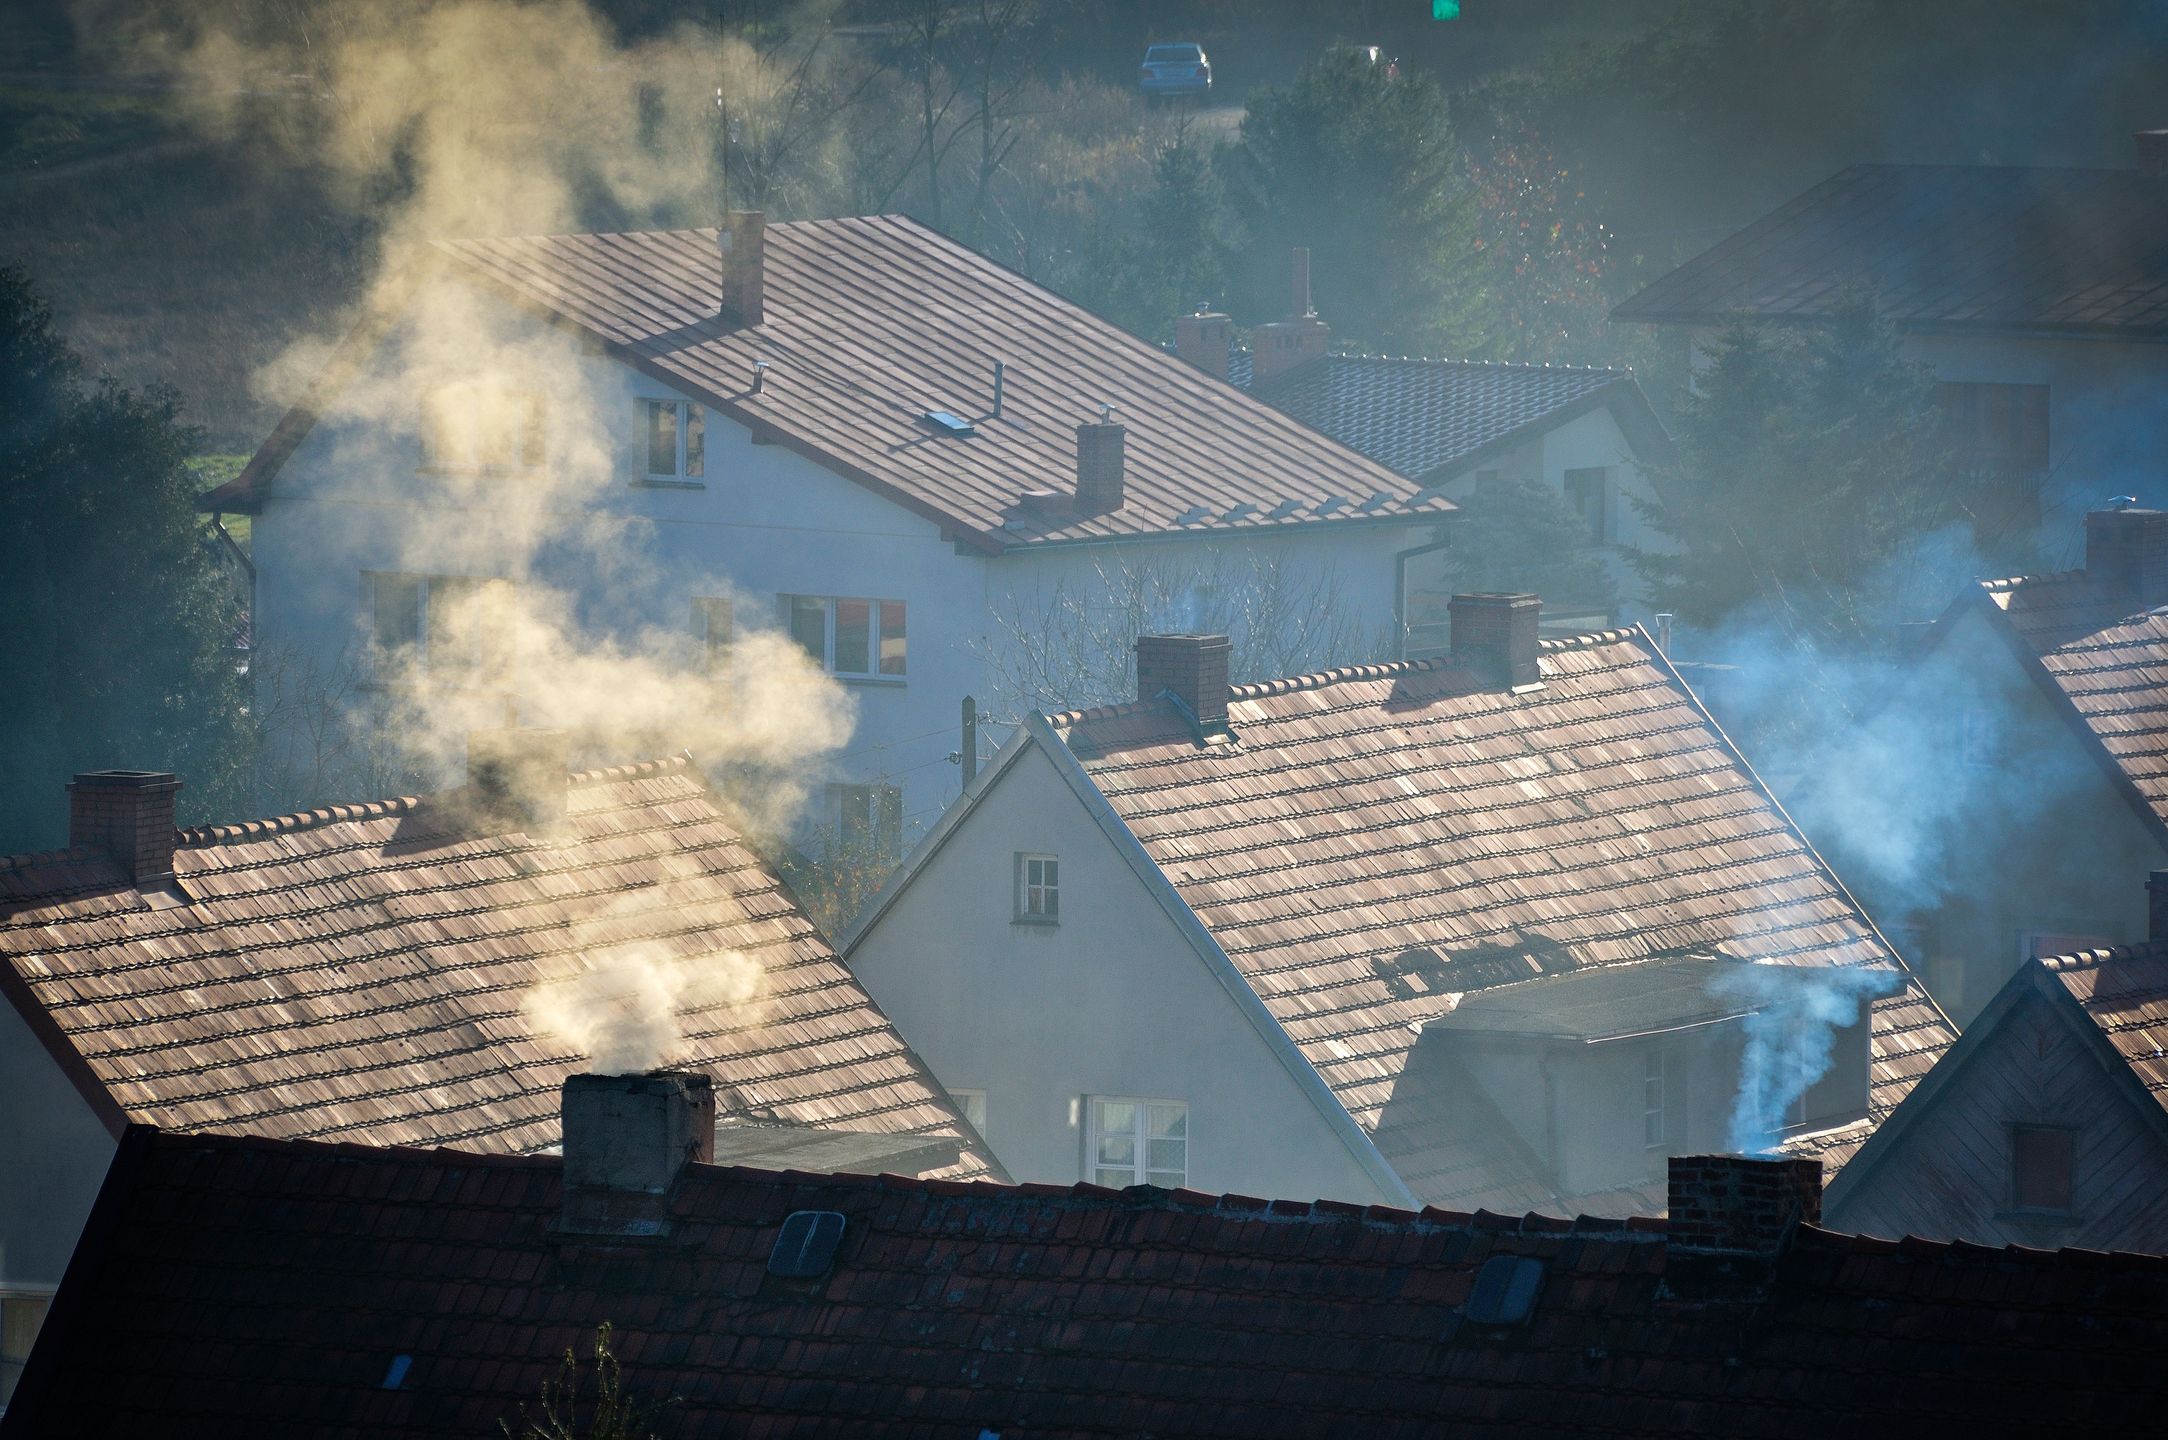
{"x": 53, "y": 1157}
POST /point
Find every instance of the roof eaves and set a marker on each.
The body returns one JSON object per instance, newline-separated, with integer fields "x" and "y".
{"x": 56, "y": 1044}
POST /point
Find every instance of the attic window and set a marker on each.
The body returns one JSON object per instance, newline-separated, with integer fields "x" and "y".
{"x": 1505, "y": 1290}
{"x": 944, "y": 423}
{"x": 806, "y": 1248}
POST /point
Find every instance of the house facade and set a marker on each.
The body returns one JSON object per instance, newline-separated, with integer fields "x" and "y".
{"x": 2038, "y": 296}
{"x": 851, "y": 432}
{"x": 420, "y": 971}
{"x": 2002, "y": 802}
{"x": 1495, "y": 930}
{"x": 2043, "y": 1125}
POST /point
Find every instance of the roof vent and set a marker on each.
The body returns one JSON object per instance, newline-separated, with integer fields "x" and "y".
{"x": 942, "y": 422}
{"x": 1505, "y": 1290}
{"x": 395, "y": 1374}
{"x": 806, "y": 1248}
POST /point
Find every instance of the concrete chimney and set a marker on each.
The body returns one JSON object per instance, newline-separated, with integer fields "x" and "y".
{"x": 1193, "y": 668}
{"x": 2152, "y": 152}
{"x": 1285, "y": 344}
{"x": 2126, "y": 553}
{"x": 2156, "y": 905}
{"x": 1741, "y": 1204}
{"x": 742, "y": 241}
{"x": 1204, "y": 339}
{"x": 519, "y": 777}
{"x": 626, "y": 1138}
{"x": 1497, "y": 636}
{"x": 1099, "y": 465}
{"x": 128, "y": 814}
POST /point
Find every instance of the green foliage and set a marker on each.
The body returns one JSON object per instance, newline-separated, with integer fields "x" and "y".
{"x": 610, "y": 1414}
{"x": 1517, "y": 535}
{"x": 119, "y": 626}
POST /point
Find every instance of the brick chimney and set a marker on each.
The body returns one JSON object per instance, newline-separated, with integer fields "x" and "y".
{"x": 2152, "y": 152}
{"x": 519, "y": 777}
{"x": 1194, "y": 669}
{"x": 2156, "y": 905}
{"x": 1284, "y": 344}
{"x": 742, "y": 241}
{"x": 128, "y": 814}
{"x": 2126, "y": 551}
{"x": 626, "y": 1138}
{"x": 1203, "y": 339}
{"x": 1497, "y": 636}
{"x": 1099, "y": 465}
{"x": 1731, "y": 1219}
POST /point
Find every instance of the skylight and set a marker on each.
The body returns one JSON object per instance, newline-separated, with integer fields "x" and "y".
{"x": 945, "y": 423}
{"x": 1505, "y": 1290}
{"x": 806, "y": 1248}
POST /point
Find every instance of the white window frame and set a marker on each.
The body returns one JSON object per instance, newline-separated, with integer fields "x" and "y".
{"x": 1140, "y": 1171}
{"x": 1655, "y": 1077}
{"x": 1605, "y": 530}
{"x": 714, "y": 648}
{"x": 686, "y": 412}
{"x": 877, "y": 611}
{"x": 423, "y": 646}
{"x": 1032, "y": 896}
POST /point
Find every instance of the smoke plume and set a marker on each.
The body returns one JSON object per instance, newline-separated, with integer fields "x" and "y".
{"x": 627, "y": 1011}
{"x": 1797, "y": 1013}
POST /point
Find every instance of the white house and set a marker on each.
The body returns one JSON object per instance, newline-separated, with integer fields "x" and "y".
{"x": 2039, "y": 296}
{"x": 877, "y": 441}
{"x": 1585, "y": 433}
{"x": 1484, "y": 930}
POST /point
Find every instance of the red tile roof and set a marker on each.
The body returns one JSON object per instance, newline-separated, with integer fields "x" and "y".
{"x": 233, "y": 1286}
{"x": 358, "y": 972}
{"x": 1384, "y": 836}
{"x": 872, "y": 322}
{"x": 1990, "y": 248}
{"x": 2124, "y": 991}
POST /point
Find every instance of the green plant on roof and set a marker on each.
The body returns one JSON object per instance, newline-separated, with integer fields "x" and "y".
{"x": 586, "y": 1402}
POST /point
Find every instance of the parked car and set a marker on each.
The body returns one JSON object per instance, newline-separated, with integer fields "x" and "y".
{"x": 1178, "y": 68}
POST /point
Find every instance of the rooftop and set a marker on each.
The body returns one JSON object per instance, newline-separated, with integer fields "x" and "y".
{"x": 1957, "y": 247}
{"x": 1614, "y": 1002}
{"x": 239, "y": 1286}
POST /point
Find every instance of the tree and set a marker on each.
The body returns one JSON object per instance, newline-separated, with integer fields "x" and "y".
{"x": 610, "y": 1413}
{"x": 1362, "y": 168}
{"x": 120, "y": 626}
{"x": 1517, "y": 535}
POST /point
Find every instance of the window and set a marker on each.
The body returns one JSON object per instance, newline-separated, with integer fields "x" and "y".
{"x": 676, "y": 433}
{"x": 2040, "y": 1158}
{"x": 21, "y": 1316}
{"x": 446, "y": 624}
{"x": 857, "y": 638}
{"x": 1652, "y": 1097}
{"x": 476, "y": 427}
{"x": 869, "y": 818}
{"x": 1976, "y": 737}
{"x": 711, "y": 628}
{"x": 973, "y": 1104}
{"x": 1038, "y": 889}
{"x": 2000, "y": 429}
{"x": 1589, "y": 493}
{"x": 1138, "y": 1142}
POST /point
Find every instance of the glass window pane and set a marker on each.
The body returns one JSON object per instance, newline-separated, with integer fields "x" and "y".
{"x": 696, "y": 440}
{"x": 892, "y": 637}
{"x": 661, "y": 437}
{"x": 711, "y": 624}
{"x": 398, "y": 611}
{"x": 1118, "y": 1150}
{"x": 809, "y": 625}
{"x": 1114, "y": 1178}
{"x": 1170, "y": 1119}
{"x": 1167, "y": 1154}
{"x": 1166, "y": 1179}
{"x": 854, "y": 637}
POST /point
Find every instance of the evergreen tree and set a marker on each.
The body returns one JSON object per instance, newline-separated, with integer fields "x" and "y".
{"x": 119, "y": 627}
{"x": 1517, "y": 535}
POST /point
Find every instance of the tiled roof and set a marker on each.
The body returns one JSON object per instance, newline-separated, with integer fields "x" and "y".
{"x": 246, "y": 1287}
{"x": 2125, "y": 992}
{"x": 358, "y": 972}
{"x": 872, "y": 322}
{"x": 1384, "y": 836}
{"x": 2111, "y": 665}
{"x": 1422, "y": 416}
{"x": 1997, "y": 248}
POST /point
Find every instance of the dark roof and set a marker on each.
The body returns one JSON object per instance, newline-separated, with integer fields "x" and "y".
{"x": 1987, "y": 248}
{"x": 1421, "y": 417}
{"x": 872, "y": 322}
{"x": 232, "y": 1286}
{"x": 1383, "y": 839}
{"x": 358, "y": 972}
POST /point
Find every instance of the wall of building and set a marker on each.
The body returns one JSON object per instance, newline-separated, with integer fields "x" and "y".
{"x": 53, "y": 1156}
{"x": 1947, "y": 1175}
{"x": 1112, "y": 1001}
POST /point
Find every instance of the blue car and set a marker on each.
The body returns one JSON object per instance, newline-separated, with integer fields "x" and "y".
{"x": 1175, "y": 69}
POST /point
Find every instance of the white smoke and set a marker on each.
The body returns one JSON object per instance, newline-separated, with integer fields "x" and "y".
{"x": 1796, "y": 1014}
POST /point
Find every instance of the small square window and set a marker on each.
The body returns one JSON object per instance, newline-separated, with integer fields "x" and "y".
{"x": 1038, "y": 889}
{"x": 675, "y": 440}
{"x": 1137, "y": 1142}
{"x": 2040, "y": 1168}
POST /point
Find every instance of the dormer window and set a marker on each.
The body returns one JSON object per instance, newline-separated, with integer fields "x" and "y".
{"x": 482, "y": 429}
{"x": 676, "y": 440}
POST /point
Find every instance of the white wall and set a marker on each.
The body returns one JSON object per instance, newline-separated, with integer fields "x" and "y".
{"x": 1113, "y": 1001}
{"x": 53, "y": 1156}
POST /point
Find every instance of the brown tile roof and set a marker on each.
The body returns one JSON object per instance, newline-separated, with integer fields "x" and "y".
{"x": 2111, "y": 666}
{"x": 358, "y": 972}
{"x": 2124, "y": 990}
{"x": 1385, "y": 835}
{"x": 232, "y": 1286}
{"x": 872, "y": 322}
{"x": 1994, "y": 248}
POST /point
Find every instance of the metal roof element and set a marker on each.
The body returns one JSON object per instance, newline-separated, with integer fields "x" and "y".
{"x": 1610, "y": 1003}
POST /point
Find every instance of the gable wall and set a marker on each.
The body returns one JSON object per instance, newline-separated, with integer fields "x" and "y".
{"x": 1113, "y": 1001}
{"x": 53, "y": 1156}
{"x": 1947, "y": 1175}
